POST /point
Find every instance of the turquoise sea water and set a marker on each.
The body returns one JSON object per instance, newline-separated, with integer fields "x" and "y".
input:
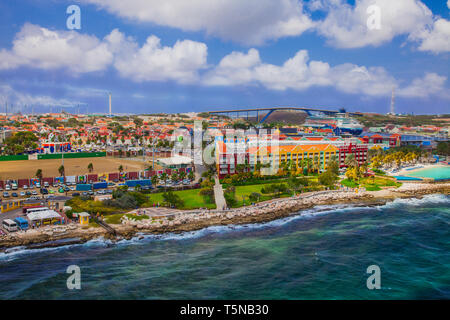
{"x": 320, "y": 254}
{"x": 435, "y": 173}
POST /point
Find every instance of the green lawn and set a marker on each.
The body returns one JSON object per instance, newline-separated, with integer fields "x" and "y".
{"x": 191, "y": 198}
{"x": 113, "y": 218}
{"x": 247, "y": 190}
{"x": 350, "y": 184}
{"x": 371, "y": 183}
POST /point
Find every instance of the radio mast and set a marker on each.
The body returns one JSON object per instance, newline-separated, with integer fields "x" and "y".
{"x": 110, "y": 110}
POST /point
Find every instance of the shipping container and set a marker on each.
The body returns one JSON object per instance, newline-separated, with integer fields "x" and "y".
{"x": 23, "y": 182}
{"x": 132, "y": 175}
{"x": 100, "y": 185}
{"x": 92, "y": 177}
{"x": 113, "y": 176}
{"x": 84, "y": 187}
{"x": 134, "y": 183}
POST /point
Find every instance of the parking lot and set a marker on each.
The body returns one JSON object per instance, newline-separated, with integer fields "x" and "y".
{"x": 47, "y": 192}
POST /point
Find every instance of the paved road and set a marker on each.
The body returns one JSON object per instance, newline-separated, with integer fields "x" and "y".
{"x": 199, "y": 169}
{"x": 218, "y": 195}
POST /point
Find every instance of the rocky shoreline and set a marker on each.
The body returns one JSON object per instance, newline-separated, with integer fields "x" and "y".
{"x": 54, "y": 236}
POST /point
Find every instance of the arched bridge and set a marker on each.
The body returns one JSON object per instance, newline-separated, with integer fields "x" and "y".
{"x": 269, "y": 110}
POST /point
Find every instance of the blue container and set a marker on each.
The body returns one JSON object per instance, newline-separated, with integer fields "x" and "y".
{"x": 100, "y": 185}
{"x": 134, "y": 183}
{"x": 84, "y": 187}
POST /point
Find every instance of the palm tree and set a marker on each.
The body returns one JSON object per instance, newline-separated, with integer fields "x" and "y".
{"x": 120, "y": 169}
{"x": 154, "y": 179}
{"x": 61, "y": 171}
{"x": 309, "y": 163}
{"x": 316, "y": 164}
{"x": 90, "y": 167}
{"x": 39, "y": 175}
{"x": 350, "y": 161}
{"x": 363, "y": 169}
{"x": 182, "y": 175}
{"x": 191, "y": 175}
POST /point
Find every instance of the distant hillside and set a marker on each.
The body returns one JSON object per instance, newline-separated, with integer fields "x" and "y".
{"x": 378, "y": 120}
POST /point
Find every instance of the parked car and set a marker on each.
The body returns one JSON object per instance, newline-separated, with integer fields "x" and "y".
{"x": 22, "y": 194}
{"x": 34, "y": 193}
{"x": 25, "y": 187}
{"x": 44, "y": 191}
{"x": 7, "y": 187}
{"x": 28, "y": 193}
{"x": 14, "y": 194}
{"x": 5, "y": 194}
{"x": 75, "y": 194}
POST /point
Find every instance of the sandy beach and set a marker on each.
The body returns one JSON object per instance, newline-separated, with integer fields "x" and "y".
{"x": 182, "y": 221}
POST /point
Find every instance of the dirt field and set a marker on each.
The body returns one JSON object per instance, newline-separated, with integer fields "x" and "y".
{"x": 27, "y": 168}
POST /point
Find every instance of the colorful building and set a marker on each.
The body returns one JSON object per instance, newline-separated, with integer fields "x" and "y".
{"x": 358, "y": 150}
{"x": 299, "y": 155}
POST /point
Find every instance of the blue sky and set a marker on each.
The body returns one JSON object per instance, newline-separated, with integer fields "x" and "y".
{"x": 178, "y": 56}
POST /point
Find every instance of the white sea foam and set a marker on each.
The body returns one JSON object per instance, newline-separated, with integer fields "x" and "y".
{"x": 416, "y": 202}
{"x": 16, "y": 252}
{"x": 303, "y": 214}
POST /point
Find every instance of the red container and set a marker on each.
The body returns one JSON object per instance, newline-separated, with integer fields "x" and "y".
{"x": 113, "y": 176}
{"x": 92, "y": 178}
{"x": 23, "y": 182}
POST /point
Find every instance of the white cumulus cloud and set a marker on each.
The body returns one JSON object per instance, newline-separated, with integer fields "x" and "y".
{"x": 431, "y": 83}
{"x": 248, "y": 22}
{"x": 435, "y": 38}
{"x": 154, "y": 62}
{"x": 300, "y": 73}
{"x": 345, "y": 25}
{"x": 41, "y": 48}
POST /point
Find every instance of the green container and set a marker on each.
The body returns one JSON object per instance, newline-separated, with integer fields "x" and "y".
{"x": 14, "y": 158}
{"x": 73, "y": 155}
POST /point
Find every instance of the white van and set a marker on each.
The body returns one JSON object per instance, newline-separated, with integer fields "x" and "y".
{"x": 14, "y": 186}
{"x": 9, "y": 225}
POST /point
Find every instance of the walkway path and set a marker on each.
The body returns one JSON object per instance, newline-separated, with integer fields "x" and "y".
{"x": 218, "y": 195}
